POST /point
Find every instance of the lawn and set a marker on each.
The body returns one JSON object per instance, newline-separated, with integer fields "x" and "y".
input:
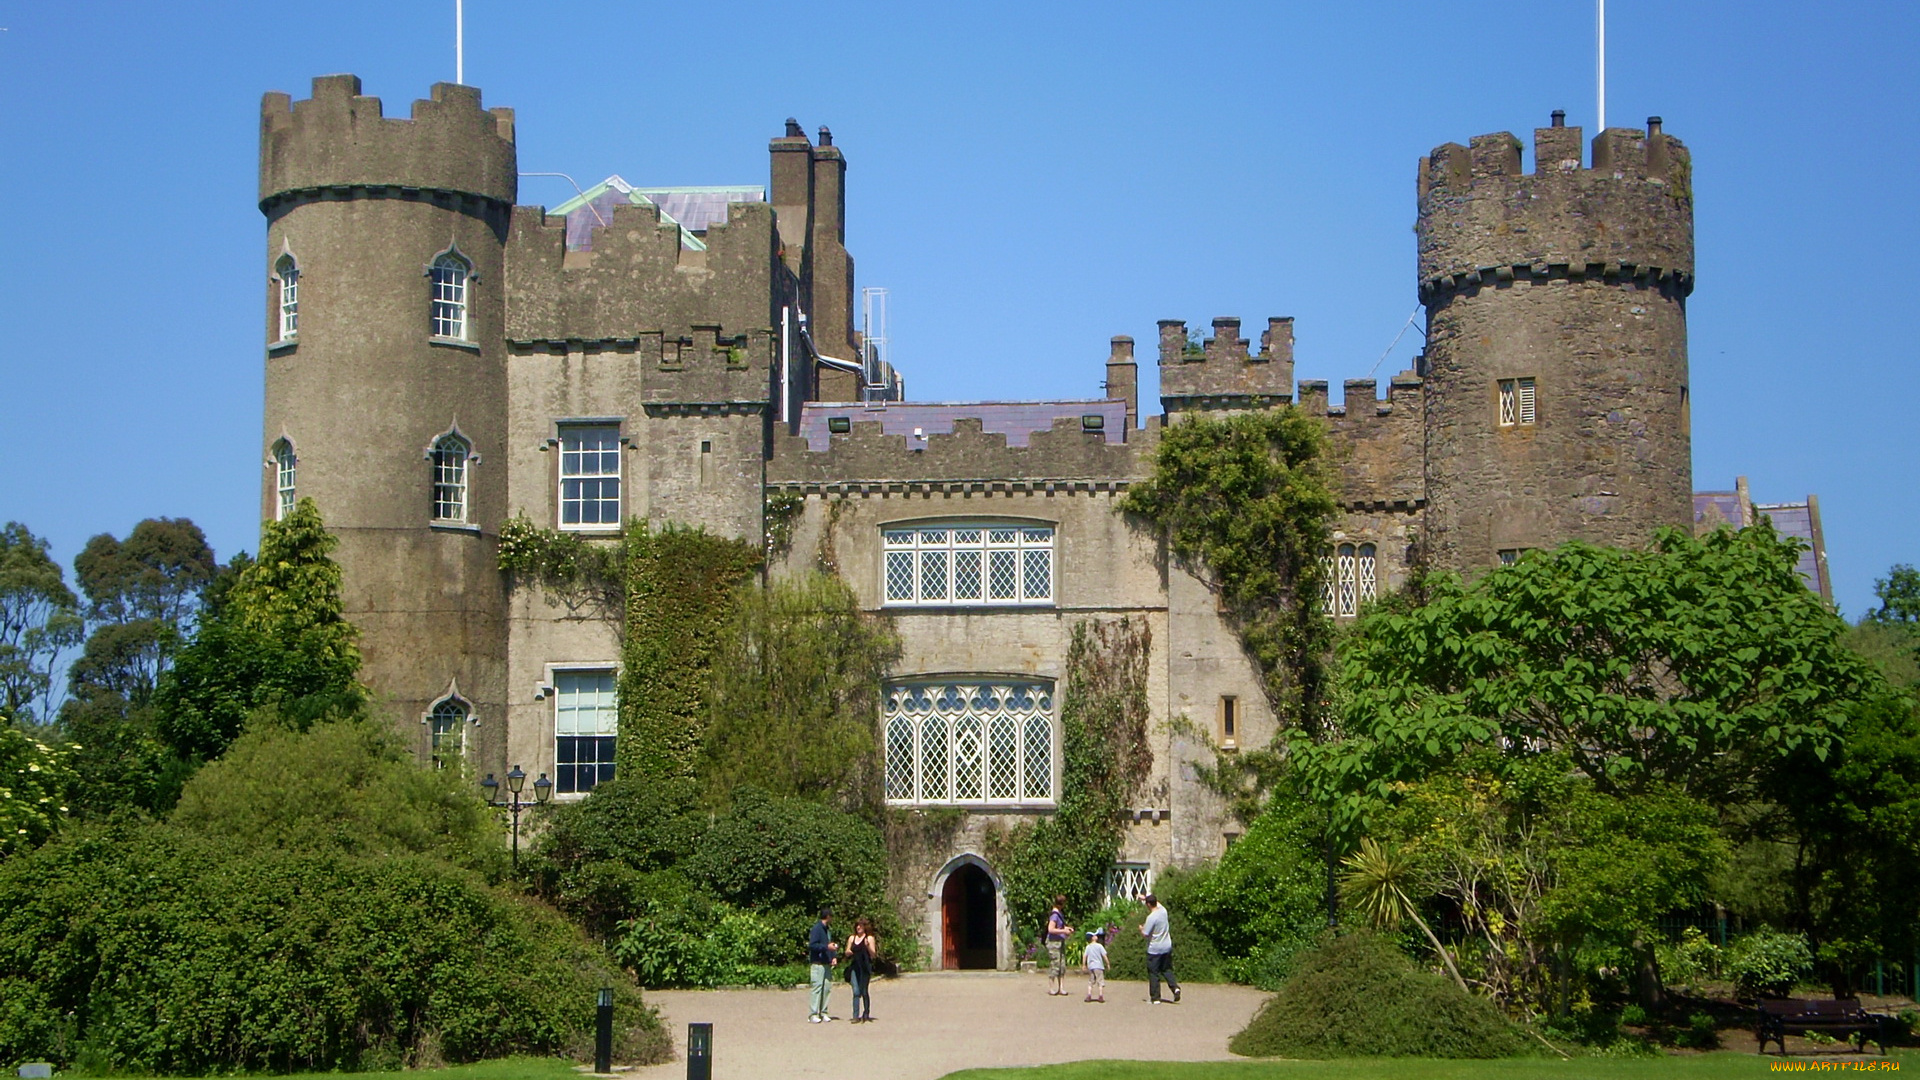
{"x": 518, "y": 1068}
{"x": 1691, "y": 1067}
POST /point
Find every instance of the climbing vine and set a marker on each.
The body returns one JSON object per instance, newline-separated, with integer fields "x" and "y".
{"x": 1246, "y": 503}
{"x": 672, "y": 592}
{"x": 782, "y": 510}
{"x": 1104, "y": 761}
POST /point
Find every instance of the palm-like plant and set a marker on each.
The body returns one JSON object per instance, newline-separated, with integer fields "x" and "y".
{"x": 1375, "y": 884}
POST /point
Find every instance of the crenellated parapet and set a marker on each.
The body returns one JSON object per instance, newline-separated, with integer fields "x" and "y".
{"x": 700, "y": 369}
{"x": 1222, "y": 373}
{"x": 1065, "y": 454}
{"x": 1377, "y": 445}
{"x": 1627, "y": 218}
{"x": 338, "y": 145}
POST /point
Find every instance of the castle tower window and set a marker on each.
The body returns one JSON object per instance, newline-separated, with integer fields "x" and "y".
{"x": 1229, "y": 721}
{"x": 972, "y": 743}
{"x": 1516, "y": 402}
{"x": 284, "y": 462}
{"x": 589, "y": 476}
{"x": 447, "y": 733}
{"x": 967, "y": 564}
{"x": 450, "y": 454}
{"x": 286, "y": 274}
{"x": 1366, "y": 566}
{"x": 1352, "y": 579}
{"x": 586, "y": 725}
{"x": 449, "y": 274}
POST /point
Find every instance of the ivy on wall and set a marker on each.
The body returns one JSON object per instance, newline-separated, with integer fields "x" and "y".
{"x": 1105, "y": 759}
{"x": 1246, "y": 503}
{"x": 672, "y": 591}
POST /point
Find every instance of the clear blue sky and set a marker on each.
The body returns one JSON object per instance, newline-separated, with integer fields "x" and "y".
{"x": 1028, "y": 179}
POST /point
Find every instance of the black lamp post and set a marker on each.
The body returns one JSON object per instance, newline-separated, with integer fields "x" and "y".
{"x": 513, "y": 804}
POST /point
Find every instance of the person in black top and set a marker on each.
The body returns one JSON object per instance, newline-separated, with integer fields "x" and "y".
{"x": 862, "y": 950}
{"x": 820, "y": 957}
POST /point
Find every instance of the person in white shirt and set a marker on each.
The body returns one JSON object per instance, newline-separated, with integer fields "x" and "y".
{"x": 1096, "y": 961}
{"x": 1159, "y": 951}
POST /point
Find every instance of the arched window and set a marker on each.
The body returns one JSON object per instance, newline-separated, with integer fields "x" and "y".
{"x": 449, "y": 273}
{"x": 287, "y": 273}
{"x": 450, "y": 455}
{"x": 1351, "y": 579}
{"x": 447, "y": 732}
{"x": 283, "y": 477}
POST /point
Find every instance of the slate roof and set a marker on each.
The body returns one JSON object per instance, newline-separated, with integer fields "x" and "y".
{"x": 694, "y": 209}
{"x": 1015, "y": 419}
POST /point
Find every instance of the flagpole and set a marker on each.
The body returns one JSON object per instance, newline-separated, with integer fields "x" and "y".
{"x": 460, "y": 41}
{"x": 1600, "y": 63}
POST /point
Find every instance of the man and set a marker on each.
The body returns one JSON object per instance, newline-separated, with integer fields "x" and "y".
{"x": 1159, "y": 951}
{"x": 821, "y": 960}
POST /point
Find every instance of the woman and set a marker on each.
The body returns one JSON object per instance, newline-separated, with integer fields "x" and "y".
{"x": 862, "y": 950}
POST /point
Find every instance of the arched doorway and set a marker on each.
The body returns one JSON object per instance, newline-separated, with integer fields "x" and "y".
{"x": 968, "y": 938}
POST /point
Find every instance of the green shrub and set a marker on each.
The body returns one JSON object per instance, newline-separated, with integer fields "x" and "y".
{"x": 1194, "y": 957}
{"x": 1691, "y": 960}
{"x": 1265, "y": 899}
{"x": 787, "y": 858}
{"x": 150, "y": 950}
{"x": 597, "y": 858}
{"x": 1701, "y": 1033}
{"x": 346, "y": 787}
{"x": 1767, "y": 963}
{"x": 1357, "y": 995}
{"x": 693, "y": 941}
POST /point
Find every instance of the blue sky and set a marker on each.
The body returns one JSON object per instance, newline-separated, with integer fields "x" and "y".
{"x": 1027, "y": 179}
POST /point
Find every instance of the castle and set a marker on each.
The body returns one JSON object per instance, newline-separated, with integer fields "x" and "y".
{"x": 440, "y": 359}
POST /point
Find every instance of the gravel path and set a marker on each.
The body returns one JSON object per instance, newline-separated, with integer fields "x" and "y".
{"x": 928, "y": 1025}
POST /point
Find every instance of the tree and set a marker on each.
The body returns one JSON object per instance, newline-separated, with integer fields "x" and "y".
{"x": 35, "y": 778}
{"x": 1376, "y": 884}
{"x": 796, "y": 687}
{"x": 273, "y": 636}
{"x": 142, "y": 596}
{"x": 1697, "y": 664}
{"x": 39, "y": 617}
{"x": 1899, "y": 594}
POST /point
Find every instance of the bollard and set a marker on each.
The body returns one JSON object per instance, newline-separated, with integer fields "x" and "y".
{"x": 699, "y": 1052}
{"x": 603, "y": 1036}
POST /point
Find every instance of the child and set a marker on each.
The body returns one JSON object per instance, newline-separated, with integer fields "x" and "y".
{"x": 1097, "y": 966}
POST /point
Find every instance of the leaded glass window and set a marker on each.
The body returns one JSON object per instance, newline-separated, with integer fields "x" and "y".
{"x": 586, "y": 725}
{"x": 945, "y": 565}
{"x": 1517, "y": 402}
{"x": 1129, "y": 881}
{"x": 449, "y": 274}
{"x": 1352, "y": 579}
{"x": 980, "y": 743}
{"x": 450, "y": 454}
{"x": 589, "y": 476}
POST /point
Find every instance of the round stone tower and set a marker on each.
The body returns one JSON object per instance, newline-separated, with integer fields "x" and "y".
{"x": 1556, "y": 359}
{"x": 386, "y": 389}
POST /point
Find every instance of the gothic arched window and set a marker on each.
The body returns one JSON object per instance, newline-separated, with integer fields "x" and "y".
{"x": 449, "y": 273}
{"x": 283, "y": 478}
{"x": 450, "y": 455}
{"x": 447, "y": 732}
{"x": 286, "y": 274}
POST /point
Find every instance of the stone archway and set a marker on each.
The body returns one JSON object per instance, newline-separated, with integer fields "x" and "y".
{"x": 966, "y": 917}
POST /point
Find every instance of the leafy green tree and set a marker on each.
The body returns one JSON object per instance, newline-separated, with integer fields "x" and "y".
{"x": 1246, "y": 504}
{"x": 796, "y": 687}
{"x": 605, "y": 859}
{"x": 1899, "y": 594}
{"x": 346, "y": 786}
{"x": 1697, "y": 663}
{"x": 1265, "y": 899}
{"x": 274, "y": 635}
{"x": 39, "y": 617}
{"x": 36, "y": 778}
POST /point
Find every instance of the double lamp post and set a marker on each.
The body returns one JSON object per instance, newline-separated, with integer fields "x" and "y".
{"x": 516, "y": 782}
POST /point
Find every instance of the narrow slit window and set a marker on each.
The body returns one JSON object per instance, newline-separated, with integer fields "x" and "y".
{"x": 1524, "y": 392}
{"x": 1229, "y": 720}
{"x": 1507, "y": 406}
{"x": 1368, "y": 570}
{"x": 449, "y": 274}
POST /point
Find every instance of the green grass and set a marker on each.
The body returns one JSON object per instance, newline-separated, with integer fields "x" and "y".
{"x": 1731, "y": 1066}
{"x": 517, "y": 1068}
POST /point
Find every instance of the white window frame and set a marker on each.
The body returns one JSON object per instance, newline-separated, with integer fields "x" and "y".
{"x": 286, "y": 271}
{"x": 577, "y": 480}
{"x": 451, "y": 278}
{"x": 606, "y": 724}
{"x": 1129, "y": 881}
{"x": 448, "y": 716}
{"x": 970, "y": 741}
{"x": 1352, "y": 579}
{"x": 1519, "y": 402}
{"x": 285, "y": 464}
{"x": 451, "y": 457}
{"x": 956, "y": 563}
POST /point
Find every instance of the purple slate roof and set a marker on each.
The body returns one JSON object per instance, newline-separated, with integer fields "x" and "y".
{"x": 1796, "y": 520}
{"x": 1015, "y": 419}
{"x": 1718, "y": 508}
{"x": 698, "y": 209}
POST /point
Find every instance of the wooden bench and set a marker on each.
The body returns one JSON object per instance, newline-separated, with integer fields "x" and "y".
{"x": 1839, "y": 1017}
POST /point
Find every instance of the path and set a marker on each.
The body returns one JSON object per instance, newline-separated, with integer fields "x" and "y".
{"x": 928, "y": 1025}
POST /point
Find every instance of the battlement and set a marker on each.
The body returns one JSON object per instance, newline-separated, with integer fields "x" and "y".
{"x": 1064, "y": 453}
{"x": 1221, "y": 372}
{"x": 1485, "y": 220}
{"x": 1377, "y": 445}
{"x": 338, "y": 143}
